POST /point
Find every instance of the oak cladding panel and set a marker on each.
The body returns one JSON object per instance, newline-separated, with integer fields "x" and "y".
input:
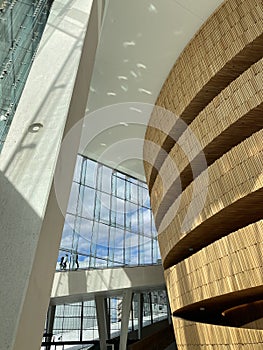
{"x": 207, "y": 195}
{"x": 225, "y": 46}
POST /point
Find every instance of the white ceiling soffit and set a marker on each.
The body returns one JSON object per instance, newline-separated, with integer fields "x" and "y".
{"x": 140, "y": 42}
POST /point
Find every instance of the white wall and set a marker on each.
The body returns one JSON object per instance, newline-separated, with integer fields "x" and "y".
{"x": 31, "y": 222}
{"x": 73, "y": 286}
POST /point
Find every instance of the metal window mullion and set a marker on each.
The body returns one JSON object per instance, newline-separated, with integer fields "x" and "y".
{"x": 132, "y": 312}
{"x": 94, "y": 210}
{"x": 81, "y": 321}
{"x": 99, "y": 179}
{"x": 138, "y": 226}
{"x": 124, "y": 221}
{"x": 110, "y": 223}
{"x": 113, "y": 210}
{"x": 77, "y": 229}
{"x": 151, "y": 307}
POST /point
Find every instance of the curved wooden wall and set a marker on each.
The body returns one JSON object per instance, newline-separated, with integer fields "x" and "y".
{"x": 232, "y": 185}
{"x": 193, "y": 336}
{"x": 226, "y": 121}
{"x": 205, "y": 180}
{"x": 229, "y": 43}
{"x": 232, "y": 263}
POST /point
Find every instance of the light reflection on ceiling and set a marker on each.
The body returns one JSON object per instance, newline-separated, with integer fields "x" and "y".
{"x": 139, "y": 43}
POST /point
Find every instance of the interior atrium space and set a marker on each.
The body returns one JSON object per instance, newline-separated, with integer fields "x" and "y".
{"x": 131, "y": 167}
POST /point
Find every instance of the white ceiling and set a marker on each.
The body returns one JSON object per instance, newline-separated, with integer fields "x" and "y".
{"x": 139, "y": 43}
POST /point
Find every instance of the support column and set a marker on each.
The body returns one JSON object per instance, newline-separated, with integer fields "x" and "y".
{"x": 102, "y": 321}
{"x": 125, "y": 316}
{"x": 53, "y": 100}
{"x": 50, "y": 323}
{"x": 140, "y": 316}
{"x": 107, "y": 309}
{"x": 81, "y": 320}
{"x": 151, "y": 306}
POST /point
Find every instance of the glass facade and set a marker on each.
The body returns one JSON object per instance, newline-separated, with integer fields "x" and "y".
{"x": 108, "y": 223}
{"x": 75, "y": 322}
{"x": 109, "y": 220}
{"x": 78, "y": 322}
{"x": 22, "y": 23}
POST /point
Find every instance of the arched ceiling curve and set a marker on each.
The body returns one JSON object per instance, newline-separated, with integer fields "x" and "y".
{"x": 139, "y": 43}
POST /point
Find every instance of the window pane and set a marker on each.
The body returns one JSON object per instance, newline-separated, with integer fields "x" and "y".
{"x": 120, "y": 186}
{"x": 91, "y": 173}
{"x": 106, "y": 179}
{"x": 77, "y": 171}
{"x": 108, "y": 221}
{"x": 73, "y": 198}
{"x": 87, "y": 202}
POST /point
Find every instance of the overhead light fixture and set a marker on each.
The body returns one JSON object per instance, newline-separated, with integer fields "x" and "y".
{"x": 35, "y": 127}
{"x": 122, "y": 77}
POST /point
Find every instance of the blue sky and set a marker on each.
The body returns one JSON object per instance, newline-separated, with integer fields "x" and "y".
{"x": 89, "y": 231}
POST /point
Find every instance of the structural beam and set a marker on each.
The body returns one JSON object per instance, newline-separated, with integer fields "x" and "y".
{"x": 125, "y": 316}
{"x": 50, "y": 323}
{"x": 71, "y": 286}
{"x": 102, "y": 321}
{"x": 140, "y": 315}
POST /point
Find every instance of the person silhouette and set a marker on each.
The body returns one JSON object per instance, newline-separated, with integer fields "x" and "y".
{"x": 77, "y": 262}
{"x": 61, "y": 264}
{"x": 65, "y": 262}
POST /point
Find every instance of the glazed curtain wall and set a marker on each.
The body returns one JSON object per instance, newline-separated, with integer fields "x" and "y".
{"x": 22, "y": 23}
{"x": 109, "y": 219}
{"x": 78, "y": 321}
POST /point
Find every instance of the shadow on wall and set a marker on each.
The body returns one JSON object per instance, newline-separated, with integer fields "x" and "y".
{"x": 72, "y": 286}
{"x": 26, "y": 269}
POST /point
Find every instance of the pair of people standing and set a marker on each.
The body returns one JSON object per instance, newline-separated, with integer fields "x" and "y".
{"x": 64, "y": 261}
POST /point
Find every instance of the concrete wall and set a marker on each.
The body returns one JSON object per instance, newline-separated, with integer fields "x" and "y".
{"x": 54, "y": 97}
{"x": 83, "y": 285}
